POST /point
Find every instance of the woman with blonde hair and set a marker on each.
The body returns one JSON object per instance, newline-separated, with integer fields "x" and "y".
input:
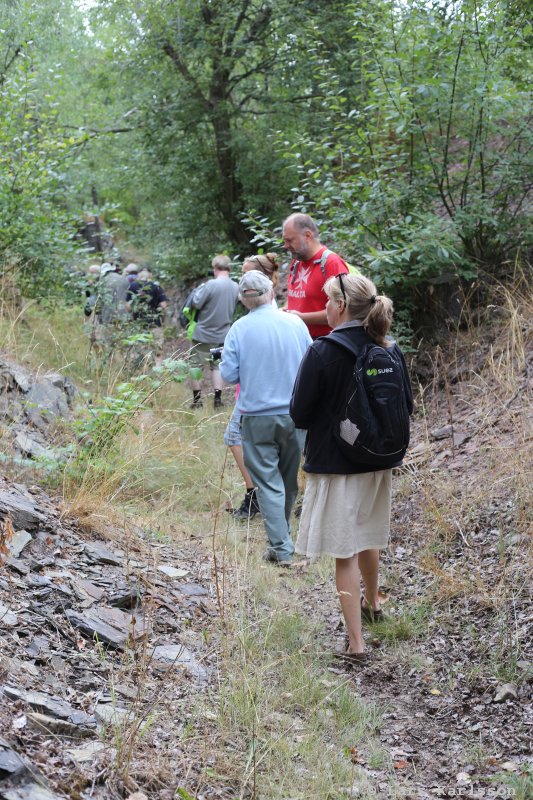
{"x": 346, "y": 506}
{"x": 268, "y": 264}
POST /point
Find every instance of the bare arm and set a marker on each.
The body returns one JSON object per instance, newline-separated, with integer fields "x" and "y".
{"x": 311, "y": 317}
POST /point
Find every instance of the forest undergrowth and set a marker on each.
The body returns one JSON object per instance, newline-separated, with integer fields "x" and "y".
{"x": 280, "y": 719}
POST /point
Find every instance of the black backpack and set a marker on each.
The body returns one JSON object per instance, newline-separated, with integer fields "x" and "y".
{"x": 373, "y": 426}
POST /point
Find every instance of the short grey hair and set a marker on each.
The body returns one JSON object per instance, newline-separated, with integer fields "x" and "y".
{"x": 254, "y": 301}
{"x": 221, "y": 262}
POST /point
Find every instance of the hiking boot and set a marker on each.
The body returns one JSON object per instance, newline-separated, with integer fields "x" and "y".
{"x": 248, "y": 508}
{"x": 196, "y": 399}
{"x": 271, "y": 556}
{"x": 217, "y": 402}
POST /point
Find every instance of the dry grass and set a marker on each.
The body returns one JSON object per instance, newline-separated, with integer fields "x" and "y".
{"x": 277, "y": 722}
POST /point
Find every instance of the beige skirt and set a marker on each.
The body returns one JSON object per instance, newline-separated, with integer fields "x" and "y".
{"x": 345, "y": 514}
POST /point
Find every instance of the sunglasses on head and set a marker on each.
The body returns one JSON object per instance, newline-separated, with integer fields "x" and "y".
{"x": 341, "y": 284}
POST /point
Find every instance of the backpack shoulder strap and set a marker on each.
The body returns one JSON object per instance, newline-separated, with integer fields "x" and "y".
{"x": 341, "y": 341}
{"x": 294, "y": 269}
{"x": 323, "y": 259}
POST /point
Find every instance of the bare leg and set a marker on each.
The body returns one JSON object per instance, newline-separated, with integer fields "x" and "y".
{"x": 349, "y": 589}
{"x": 369, "y": 567}
{"x": 218, "y": 383}
{"x": 196, "y": 385}
{"x": 236, "y": 450}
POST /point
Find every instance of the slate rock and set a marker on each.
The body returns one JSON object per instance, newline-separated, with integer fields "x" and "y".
{"x": 87, "y": 590}
{"x": 24, "y": 515}
{"x": 42, "y": 723}
{"x": 63, "y": 383}
{"x": 37, "y": 581}
{"x": 7, "y": 617}
{"x": 179, "y": 655}
{"x": 87, "y": 753}
{"x": 37, "y": 564}
{"x": 15, "y": 377}
{"x": 110, "y": 625}
{"x": 172, "y": 572}
{"x": 43, "y": 400}
{"x": 191, "y": 589}
{"x": 442, "y": 433}
{"x": 11, "y": 764}
{"x": 19, "y": 566}
{"x": 51, "y": 706}
{"x": 31, "y": 448}
{"x": 126, "y": 597}
{"x": 11, "y": 409}
{"x": 18, "y": 542}
{"x": 38, "y": 645}
{"x": 110, "y": 714}
{"x": 101, "y": 554}
{"x": 29, "y": 791}
{"x": 505, "y": 691}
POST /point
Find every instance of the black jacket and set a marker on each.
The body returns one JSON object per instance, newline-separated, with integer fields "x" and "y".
{"x": 318, "y": 398}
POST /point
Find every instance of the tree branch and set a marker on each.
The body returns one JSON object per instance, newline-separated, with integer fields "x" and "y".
{"x": 8, "y": 63}
{"x": 178, "y": 62}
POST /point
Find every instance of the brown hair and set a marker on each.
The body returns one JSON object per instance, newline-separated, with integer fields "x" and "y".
{"x": 267, "y": 263}
{"x": 363, "y": 303}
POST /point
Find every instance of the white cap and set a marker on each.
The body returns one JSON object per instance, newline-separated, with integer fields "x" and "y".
{"x": 107, "y": 267}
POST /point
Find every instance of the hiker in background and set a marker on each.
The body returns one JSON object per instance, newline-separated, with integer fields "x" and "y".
{"x": 112, "y": 292}
{"x": 311, "y": 266}
{"x": 131, "y": 271}
{"x": 267, "y": 264}
{"x": 346, "y": 506}
{"x": 262, "y": 352}
{"x": 215, "y": 301}
{"x": 90, "y": 292}
{"x": 146, "y": 300}
{"x": 111, "y": 309}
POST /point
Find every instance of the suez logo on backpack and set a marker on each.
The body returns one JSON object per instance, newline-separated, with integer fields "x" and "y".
{"x": 372, "y": 372}
{"x": 372, "y": 427}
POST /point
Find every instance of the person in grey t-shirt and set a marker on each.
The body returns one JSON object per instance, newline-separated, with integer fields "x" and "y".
{"x": 215, "y": 301}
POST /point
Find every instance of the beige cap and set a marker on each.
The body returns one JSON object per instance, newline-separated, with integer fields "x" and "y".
{"x": 254, "y": 283}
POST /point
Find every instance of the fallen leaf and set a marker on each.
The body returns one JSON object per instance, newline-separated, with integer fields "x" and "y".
{"x": 434, "y": 691}
{"x": 400, "y": 764}
{"x": 6, "y": 534}
{"x": 19, "y": 722}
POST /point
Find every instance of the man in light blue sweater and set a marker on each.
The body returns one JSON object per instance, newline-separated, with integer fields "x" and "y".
{"x": 262, "y": 352}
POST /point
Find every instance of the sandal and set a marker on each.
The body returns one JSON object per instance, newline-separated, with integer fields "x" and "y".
{"x": 353, "y": 658}
{"x": 369, "y": 614}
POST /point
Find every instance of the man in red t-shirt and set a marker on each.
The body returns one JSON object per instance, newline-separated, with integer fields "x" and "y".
{"x": 309, "y": 272}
